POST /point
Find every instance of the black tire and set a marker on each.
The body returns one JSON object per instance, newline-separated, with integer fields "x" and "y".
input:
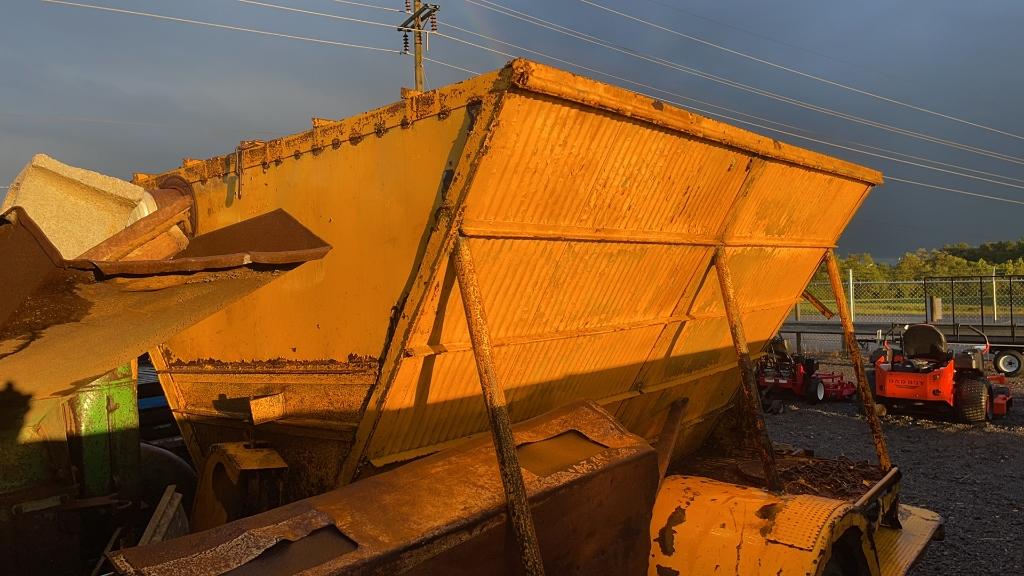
{"x": 973, "y": 400}
{"x": 814, "y": 390}
{"x": 1009, "y": 362}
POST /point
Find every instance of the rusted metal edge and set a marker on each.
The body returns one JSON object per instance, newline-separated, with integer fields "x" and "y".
{"x": 333, "y": 134}
{"x": 890, "y": 479}
{"x": 281, "y": 220}
{"x": 497, "y": 412}
{"x": 757, "y": 432}
{"x": 818, "y": 305}
{"x": 231, "y": 545}
{"x": 669, "y": 435}
{"x": 444, "y": 348}
{"x": 170, "y": 266}
{"x": 19, "y": 216}
{"x": 305, "y": 427}
{"x": 124, "y": 242}
{"x": 543, "y": 79}
{"x": 413, "y": 453}
{"x": 234, "y": 551}
{"x": 526, "y": 75}
{"x": 438, "y": 249}
{"x": 522, "y": 231}
{"x": 853, "y": 349}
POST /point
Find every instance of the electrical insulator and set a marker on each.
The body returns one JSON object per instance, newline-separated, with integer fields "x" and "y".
{"x": 408, "y": 5}
{"x": 433, "y": 22}
{"x": 405, "y": 43}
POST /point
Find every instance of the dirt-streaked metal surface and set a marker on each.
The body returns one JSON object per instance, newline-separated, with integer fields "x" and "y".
{"x": 445, "y": 515}
{"x": 64, "y": 322}
{"x": 592, "y": 214}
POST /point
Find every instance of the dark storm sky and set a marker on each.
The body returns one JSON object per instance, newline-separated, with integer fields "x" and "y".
{"x": 118, "y": 93}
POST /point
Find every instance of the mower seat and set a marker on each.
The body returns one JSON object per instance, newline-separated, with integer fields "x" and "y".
{"x": 926, "y": 342}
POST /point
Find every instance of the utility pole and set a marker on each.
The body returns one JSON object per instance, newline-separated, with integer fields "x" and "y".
{"x": 420, "y": 13}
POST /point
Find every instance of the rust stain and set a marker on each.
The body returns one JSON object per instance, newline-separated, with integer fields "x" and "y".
{"x": 667, "y": 534}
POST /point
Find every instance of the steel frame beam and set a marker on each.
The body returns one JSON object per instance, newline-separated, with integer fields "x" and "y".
{"x": 497, "y": 412}
{"x": 756, "y": 430}
{"x": 850, "y": 338}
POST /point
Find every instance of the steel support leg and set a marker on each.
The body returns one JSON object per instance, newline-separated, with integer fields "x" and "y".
{"x": 867, "y": 400}
{"x": 497, "y": 412}
{"x": 669, "y": 434}
{"x": 753, "y": 413}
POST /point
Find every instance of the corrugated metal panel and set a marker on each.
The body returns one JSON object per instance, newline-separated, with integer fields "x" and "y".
{"x": 537, "y": 287}
{"x": 437, "y": 398}
{"x": 592, "y": 213}
{"x": 567, "y": 165}
{"x": 769, "y": 212}
{"x": 587, "y": 229}
{"x": 762, "y": 276}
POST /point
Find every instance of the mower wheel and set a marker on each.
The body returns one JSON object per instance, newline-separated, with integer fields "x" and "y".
{"x": 1009, "y": 362}
{"x": 814, "y": 390}
{"x": 973, "y": 402}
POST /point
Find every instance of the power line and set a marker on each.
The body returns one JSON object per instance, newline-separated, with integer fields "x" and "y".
{"x": 362, "y": 5}
{"x": 804, "y": 131}
{"x": 467, "y": 70}
{"x": 314, "y": 13}
{"x": 506, "y": 54}
{"x": 487, "y": 4}
{"x": 955, "y": 190}
{"x": 347, "y": 19}
{"x": 756, "y": 34}
{"x": 250, "y": 30}
{"x": 220, "y": 26}
{"x": 522, "y": 15}
{"x": 649, "y": 87}
{"x": 802, "y": 73}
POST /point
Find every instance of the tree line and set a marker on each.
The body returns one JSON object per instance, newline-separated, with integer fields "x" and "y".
{"x": 991, "y": 258}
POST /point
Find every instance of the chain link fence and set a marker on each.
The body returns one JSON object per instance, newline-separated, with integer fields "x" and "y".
{"x": 980, "y": 301}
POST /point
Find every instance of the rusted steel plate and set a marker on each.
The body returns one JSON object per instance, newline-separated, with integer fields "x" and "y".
{"x": 703, "y": 526}
{"x": 64, "y": 322}
{"x": 445, "y": 514}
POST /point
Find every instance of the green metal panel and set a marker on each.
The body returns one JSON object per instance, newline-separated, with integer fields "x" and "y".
{"x": 103, "y": 430}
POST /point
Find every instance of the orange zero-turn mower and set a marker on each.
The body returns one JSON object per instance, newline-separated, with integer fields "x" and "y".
{"x": 923, "y": 375}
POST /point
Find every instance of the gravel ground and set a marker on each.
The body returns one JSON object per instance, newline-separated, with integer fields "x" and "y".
{"x": 973, "y": 475}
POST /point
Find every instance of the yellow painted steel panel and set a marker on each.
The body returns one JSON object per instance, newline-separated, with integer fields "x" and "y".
{"x": 762, "y": 276}
{"x": 591, "y": 212}
{"x": 437, "y": 398}
{"x": 340, "y": 305}
{"x": 557, "y": 163}
{"x": 703, "y": 526}
{"x": 769, "y": 212}
{"x": 539, "y": 287}
{"x": 899, "y": 549}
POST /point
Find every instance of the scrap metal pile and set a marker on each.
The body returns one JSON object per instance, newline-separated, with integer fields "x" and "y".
{"x": 346, "y": 347}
